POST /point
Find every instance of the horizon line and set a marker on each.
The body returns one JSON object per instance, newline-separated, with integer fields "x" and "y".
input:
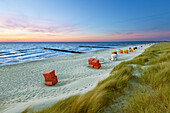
{"x": 90, "y": 42}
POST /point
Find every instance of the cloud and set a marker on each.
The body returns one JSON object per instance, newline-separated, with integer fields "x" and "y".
{"x": 142, "y": 36}
{"x": 26, "y": 24}
{"x": 126, "y": 34}
{"x": 21, "y": 28}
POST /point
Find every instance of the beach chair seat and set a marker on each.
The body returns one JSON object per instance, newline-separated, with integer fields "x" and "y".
{"x": 90, "y": 62}
{"x": 90, "y": 65}
{"x": 126, "y": 51}
{"x": 135, "y": 48}
{"x": 50, "y": 77}
{"x": 90, "y": 59}
{"x": 97, "y": 66}
{"x": 114, "y": 57}
{"x": 114, "y": 52}
{"x": 49, "y": 82}
{"x": 54, "y": 80}
{"x": 120, "y": 51}
{"x": 131, "y": 50}
{"x": 94, "y": 63}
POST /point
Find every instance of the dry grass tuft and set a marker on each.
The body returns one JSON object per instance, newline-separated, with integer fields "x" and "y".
{"x": 147, "y": 102}
{"x": 26, "y": 110}
{"x": 63, "y": 106}
{"x": 155, "y": 99}
{"x": 92, "y": 102}
{"x": 157, "y": 75}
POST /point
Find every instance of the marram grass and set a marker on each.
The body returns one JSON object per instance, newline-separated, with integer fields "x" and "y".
{"x": 155, "y": 98}
{"x": 152, "y": 99}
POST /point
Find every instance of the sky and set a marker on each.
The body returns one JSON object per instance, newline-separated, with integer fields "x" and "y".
{"x": 84, "y": 20}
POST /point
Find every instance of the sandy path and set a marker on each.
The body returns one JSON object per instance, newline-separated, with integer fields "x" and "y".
{"x": 23, "y": 85}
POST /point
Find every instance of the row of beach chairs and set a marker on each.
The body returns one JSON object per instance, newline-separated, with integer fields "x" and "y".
{"x": 114, "y": 56}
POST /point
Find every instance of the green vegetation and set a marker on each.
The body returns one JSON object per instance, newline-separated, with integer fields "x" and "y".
{"x": 155, "y": 96}
{"x": 152, "y": 95}
{"x": 156, "y": 75}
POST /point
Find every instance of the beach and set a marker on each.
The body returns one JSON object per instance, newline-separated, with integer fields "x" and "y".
{"x": 22, "y": 85}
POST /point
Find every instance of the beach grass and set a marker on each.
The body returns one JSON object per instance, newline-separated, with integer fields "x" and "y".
{"x": 155, "y": 96}
{"x": 152, "y": 95}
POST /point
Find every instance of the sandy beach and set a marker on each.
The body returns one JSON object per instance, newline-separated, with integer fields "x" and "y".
{"x": 22, "y": 85}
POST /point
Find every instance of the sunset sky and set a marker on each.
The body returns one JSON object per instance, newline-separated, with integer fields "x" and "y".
{"x": 84, "y": 20}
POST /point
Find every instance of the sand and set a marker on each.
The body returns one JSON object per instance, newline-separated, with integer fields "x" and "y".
{"x": 22, "y": 85}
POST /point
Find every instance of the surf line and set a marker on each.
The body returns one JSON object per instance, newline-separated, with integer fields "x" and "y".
{"x": 63, "y": 50}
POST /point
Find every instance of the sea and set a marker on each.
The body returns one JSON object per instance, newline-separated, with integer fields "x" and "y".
{"x": 20, "y": 52}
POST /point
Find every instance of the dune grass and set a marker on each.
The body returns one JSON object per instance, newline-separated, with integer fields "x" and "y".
{"x": 157, "y": 75}
{"x": 63, "y": 106}
{"x": 154, "y": 54}
{"x": 143, "y": 101}
{"x": 153, "y": 98}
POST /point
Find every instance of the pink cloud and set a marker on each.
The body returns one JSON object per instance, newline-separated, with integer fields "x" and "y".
{"x": 123, "y": 34}
{"x": 35, "y": 25}
{"x": 128, "y": 36}
{"x": 50, "y": 30}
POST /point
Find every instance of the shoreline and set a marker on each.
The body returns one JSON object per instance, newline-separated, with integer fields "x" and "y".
{"x": 77, "y": 79}
{"x": 55, "y": 57}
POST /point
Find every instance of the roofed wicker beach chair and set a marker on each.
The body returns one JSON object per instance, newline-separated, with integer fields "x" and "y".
{"x": 50, "y": 77}
{"x": 114, "y": 57}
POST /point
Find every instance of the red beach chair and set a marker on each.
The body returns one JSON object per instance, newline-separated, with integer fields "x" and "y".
{"x": 126, "y": 51}
{"x": 90, "y": 62}
{"x": 135, "y": 48}
{"x": 50, "y": 78}
{"x": 97, "y": 66}
{"x": 94, "y": 63}
{"x": 114, "y": 52}
{"x": 131, "y": 50}
{"x": 120, "y": 51}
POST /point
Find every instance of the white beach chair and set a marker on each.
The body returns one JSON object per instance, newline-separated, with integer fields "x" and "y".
{"x": 113, "y": 57}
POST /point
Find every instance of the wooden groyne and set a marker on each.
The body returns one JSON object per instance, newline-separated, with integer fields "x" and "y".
{"x": 63, "y": 50}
